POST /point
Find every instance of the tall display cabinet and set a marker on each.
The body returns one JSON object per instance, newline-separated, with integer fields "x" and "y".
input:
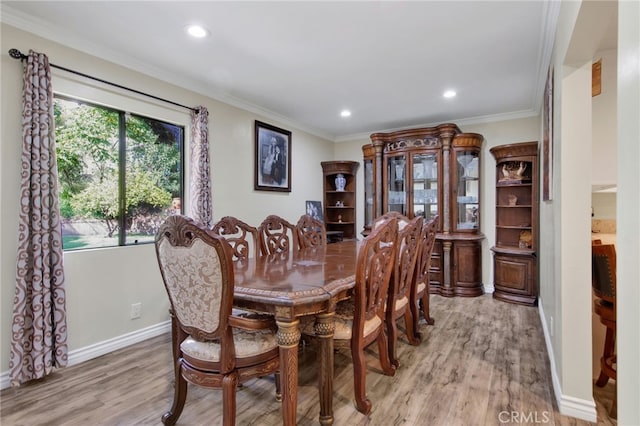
{"x": 339, "y": 187}
{"x": 427, "y": 172}
{"x": 514, "y": 255}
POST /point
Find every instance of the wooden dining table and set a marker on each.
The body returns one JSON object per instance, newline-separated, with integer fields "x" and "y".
{"x": 292, "y": 285}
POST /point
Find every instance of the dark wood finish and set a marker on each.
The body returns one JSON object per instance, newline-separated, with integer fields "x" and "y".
{"x": 370, "y": 169}
{"x": 604, "y": 281}
{"x": 194, "y": 332}
{"x": 293, "y": 284}
{"x": 430, "y": 181}
{"x": 340, "y": 206}
{"x": 398, "y": 303}
{"x": 361, "y": 319}
{"x": 373, "y": 273}
{"x": 515, "y": 259}
{"x": 242, "y": 237}
{"x": 420, "y": 288}
{"x": 277, "y": 235}
{"x": 311, "y": 232}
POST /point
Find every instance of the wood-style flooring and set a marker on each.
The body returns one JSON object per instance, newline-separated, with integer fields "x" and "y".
{"x": 480, "y": 359}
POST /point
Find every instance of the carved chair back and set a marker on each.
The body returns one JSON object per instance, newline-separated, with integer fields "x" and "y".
{"x": 277, "y": 235}
{"x": 398, "y": 303}
{"x": 374, "y": 267}
{"x": 360, "y": 320}
{"x": 420, "y": 286}
{"x": 311, "y": 232}
{"x": 197, "y": 271}
{"x": 242, "y": 237}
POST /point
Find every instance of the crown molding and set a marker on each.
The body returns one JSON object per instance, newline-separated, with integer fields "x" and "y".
{"x": 41, "y": 28}
{"x": 460, "y": 122}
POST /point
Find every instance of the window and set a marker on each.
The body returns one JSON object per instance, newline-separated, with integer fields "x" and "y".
{"x": 120, "y": 174}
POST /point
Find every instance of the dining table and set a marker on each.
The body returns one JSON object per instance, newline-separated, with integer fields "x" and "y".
{"x": 295, "y": 284}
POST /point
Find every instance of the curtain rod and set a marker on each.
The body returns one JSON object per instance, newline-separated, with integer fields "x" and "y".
{"x": 16, "y": 54}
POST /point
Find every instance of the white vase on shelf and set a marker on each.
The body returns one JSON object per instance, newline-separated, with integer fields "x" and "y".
{"x": 340, "y": 182}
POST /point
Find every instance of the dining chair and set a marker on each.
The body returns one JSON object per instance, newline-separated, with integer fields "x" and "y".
{"x": 420, "y": 288}
{"x": 360, "y": 320}
{"x": 398, "y": 303}
{"x": 242, "y": 237}
{"x": 211, "y": 347}
{"x": 603, "y": 266}
{"x": 311, "y": 232}
{"x": 277, "y": 235}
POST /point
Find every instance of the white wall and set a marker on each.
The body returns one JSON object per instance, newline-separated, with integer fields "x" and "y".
{"x": 562, "y": 296}
{"x": 604, "y": 162}
{"x": 102, "y": 284}
{"x": 604, "y": 205}
{"x": 628, "y": 219}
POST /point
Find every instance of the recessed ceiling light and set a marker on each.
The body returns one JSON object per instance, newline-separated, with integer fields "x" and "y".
{"x": 345, "y": 113}
{"x": 449, "y": 94}
{"x": 196, "y": 31}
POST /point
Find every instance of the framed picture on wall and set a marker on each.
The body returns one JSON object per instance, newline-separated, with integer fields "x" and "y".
{"x": 272, "y": 158}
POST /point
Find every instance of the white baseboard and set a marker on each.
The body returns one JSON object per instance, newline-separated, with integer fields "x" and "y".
{"x": 567, "y": 405}
{"x": 102, "y": 348}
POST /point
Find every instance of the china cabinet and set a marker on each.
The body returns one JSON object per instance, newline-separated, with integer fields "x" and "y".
{"x": 514, "y": 255}
{"x": 339, "y": 188}
{"x": 427, "y": 172}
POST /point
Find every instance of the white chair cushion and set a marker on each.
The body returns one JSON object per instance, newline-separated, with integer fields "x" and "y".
{"x": 421, "y": 287}
{"x": 247, "y": 343}
{"x": 401, "y": 303}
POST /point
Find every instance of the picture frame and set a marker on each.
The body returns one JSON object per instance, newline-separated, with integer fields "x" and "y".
{"x": 547, "y": 139}
{"x": 272, "y": 158}
{"x": 314, "y": 209}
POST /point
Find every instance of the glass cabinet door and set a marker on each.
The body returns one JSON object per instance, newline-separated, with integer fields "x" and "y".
{"x": 397, "y": 184}
{"x": 468, "y": 190}
{"x": 425, "y": 185}
{"x": 368, "y": 193}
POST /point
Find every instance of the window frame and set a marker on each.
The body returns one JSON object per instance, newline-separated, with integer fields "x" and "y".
{"x": 78, "y": 89}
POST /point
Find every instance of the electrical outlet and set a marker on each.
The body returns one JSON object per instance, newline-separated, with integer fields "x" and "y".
{"x": 136, "y": 310}
{"x": 551, "y": 326}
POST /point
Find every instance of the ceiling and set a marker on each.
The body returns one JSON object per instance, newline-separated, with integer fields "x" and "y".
{"x": 301, "y": 63}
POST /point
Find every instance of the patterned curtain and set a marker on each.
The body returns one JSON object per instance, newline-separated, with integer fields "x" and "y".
{"x": 39, "y": 326}
{"x": 200, "y": 185}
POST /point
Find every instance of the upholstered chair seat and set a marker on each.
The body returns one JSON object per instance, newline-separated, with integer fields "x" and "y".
{"x": 247, "y": 344}
{"x": 344, "y": 322}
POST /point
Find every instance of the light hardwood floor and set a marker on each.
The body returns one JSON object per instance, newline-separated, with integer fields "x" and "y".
{"x": 481, "y": 358}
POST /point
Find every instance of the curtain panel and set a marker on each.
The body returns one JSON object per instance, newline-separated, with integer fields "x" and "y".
{"x": 39, "y": 326}
{"x": 201, "y": 209}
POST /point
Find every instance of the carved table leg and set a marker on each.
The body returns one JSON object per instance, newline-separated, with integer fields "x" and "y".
{"x": 288, "y": 337}
{"x": 324, "y": 328}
